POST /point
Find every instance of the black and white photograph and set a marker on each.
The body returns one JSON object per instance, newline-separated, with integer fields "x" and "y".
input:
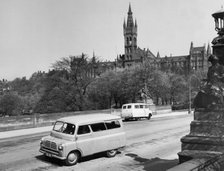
{"x": 111, "y": 85}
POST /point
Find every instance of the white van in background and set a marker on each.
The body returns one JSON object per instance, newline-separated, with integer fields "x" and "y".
{"x": 136, "y": 111}
{"x": 83, "y": 135}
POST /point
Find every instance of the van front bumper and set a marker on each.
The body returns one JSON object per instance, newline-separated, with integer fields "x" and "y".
{"x": 50, "y": 153}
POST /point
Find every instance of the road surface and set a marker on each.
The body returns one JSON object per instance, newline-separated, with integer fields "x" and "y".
{"x": 151, "y": 145}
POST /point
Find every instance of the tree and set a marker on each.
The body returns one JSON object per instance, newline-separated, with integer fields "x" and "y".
{"x": 179, "y": 88}
{"x": 21, "y": 85}
{"x": 54, "y": 94}
{"x": 66, "y": 85}
{"x": 11, "y": 104}
{"x": 159, "y": 86}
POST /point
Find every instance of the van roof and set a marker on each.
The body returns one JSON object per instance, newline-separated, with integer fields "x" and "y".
{"x": 88, "y": 118}
{"x": 135, "y": 104}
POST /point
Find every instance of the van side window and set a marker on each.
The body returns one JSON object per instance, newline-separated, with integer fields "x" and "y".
{"x": 136, "y": 106}
{"x": 141, "y": 106}
{"x": 112, "y": 124}
{"x": 124, "y": 107}
{"x": 98, "y": 127}
{"x": 83, "y": 129}
{"x": 129, "y": 106}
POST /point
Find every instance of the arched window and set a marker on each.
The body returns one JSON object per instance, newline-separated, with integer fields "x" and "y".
{"x": 130, "y": 40}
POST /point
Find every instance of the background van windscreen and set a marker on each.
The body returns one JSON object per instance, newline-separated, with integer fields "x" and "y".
{"x": 129, "y": 106}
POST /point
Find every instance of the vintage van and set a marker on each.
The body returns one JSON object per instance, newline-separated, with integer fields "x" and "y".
{"x": 136, "y": 111}
{"x": 83, "y": 135}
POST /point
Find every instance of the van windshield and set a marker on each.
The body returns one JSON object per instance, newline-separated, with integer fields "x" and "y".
{"x": 63, "y": 127}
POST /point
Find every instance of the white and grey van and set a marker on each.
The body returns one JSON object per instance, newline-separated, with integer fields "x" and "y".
{"x": 136, "y": 111}
{"x": 83, "y": 135}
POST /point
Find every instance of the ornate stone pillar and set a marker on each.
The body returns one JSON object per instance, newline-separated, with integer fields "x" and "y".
{"x": 206, "y": 137}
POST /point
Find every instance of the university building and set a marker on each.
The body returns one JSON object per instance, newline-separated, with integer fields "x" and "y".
{"x": 133, "y": 55}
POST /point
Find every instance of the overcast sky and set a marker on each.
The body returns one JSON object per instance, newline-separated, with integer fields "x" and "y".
{"x": 36, "y": 33}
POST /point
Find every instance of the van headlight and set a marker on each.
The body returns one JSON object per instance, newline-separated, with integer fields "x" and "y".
{"x": 41, "y": 142}
{"x": 60, "y": 147}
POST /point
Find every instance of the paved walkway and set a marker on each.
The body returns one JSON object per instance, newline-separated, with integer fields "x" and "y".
{"x": 30, "y": 131}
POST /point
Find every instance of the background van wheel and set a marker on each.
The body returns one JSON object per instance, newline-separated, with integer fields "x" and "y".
{"x": 72, "y": 158}
{"x": 149, "y": 117}
{"x": 111, "y": 153}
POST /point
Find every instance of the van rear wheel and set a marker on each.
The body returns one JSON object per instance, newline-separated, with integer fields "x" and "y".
{"x": 72, "y": 158}
{"x": 111, "y": 153}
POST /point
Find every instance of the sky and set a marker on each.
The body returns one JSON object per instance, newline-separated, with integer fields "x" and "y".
{"x": 34, "y": 34}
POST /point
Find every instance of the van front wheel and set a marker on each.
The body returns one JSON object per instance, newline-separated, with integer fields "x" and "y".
{"x": 111, "y": 153}
{"x": 72, "y": 158}
{"x": 149, "y": 117}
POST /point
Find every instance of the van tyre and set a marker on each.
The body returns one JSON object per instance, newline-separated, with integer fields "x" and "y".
{"x": 149, "y": 117}
{"x": 111, "y": 153}
{"x": 72, "y": 158}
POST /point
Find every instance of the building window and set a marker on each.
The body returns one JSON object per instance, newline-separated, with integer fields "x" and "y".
{"x": 130, "y": 40}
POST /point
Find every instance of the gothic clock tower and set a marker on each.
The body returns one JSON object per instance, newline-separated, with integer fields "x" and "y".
{"x": 130, "y": 37}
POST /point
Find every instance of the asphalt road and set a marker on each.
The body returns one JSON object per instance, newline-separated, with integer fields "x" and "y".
{"x": 151, "y": 145}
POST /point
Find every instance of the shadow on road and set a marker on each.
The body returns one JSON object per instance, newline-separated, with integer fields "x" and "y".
{"x": 154, "y": 164}
{"x": 57, "y": 162}
{"x": 53, "y": 161}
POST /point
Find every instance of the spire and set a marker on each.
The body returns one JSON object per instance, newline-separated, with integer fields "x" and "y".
{"x": 129, "y": 9}
{"x": 209, "y": 52}
{"x": 158, "y": 55}
{"x": 124, "y": 24}
{"x": 135, "y": 23}
{"x": 191, "y": 47}
{"x": 130, "y": 22}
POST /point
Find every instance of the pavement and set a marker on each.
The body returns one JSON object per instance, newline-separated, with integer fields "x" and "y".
{"x": 31, "y": 131}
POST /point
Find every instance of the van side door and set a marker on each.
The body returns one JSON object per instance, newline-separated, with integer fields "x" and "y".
{"x": 99, "y": 136}
{"x": 147, "y": 110}
{"x": 84, "y": 140}
{"x": 142, "y": 110}
{"x": 115, "y": 134}
{"x": 136, "y": 110}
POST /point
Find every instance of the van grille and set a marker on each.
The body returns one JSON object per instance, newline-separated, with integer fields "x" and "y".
{"x": 51, "y": 145}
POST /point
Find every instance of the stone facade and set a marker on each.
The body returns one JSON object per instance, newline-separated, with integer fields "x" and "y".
{"x": 196, "y": 59}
